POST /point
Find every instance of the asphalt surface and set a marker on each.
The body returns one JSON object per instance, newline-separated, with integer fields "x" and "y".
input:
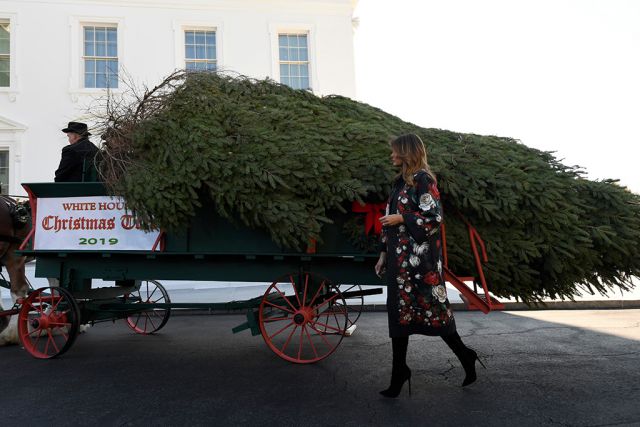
{"x": 573, "y": 368}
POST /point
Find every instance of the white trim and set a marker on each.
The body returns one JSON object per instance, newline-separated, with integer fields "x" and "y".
{"x": 294, "y": 28}
{"x": 13, "y": 89}
{"x": 8, "y": 124}
{"x": 179, "y": 27}
{"x": 10, "y": 135}
{"x": 76, "y": 35}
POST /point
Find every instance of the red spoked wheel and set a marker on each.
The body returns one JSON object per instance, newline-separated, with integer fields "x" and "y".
{"x": 302, "y": 317}
{"x": 152, "y": 320}
{"x": 48, "y": 322}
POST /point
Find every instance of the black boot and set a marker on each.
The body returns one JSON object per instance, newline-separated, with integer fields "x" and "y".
{"x": 466, "y": 355}
{"x": 400, "y": 373}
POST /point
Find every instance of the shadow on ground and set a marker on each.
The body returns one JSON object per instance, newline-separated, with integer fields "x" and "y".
{"x": 541, "y": 371}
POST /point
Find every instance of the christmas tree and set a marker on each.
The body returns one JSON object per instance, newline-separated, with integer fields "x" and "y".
{"x": 280, "y": 159}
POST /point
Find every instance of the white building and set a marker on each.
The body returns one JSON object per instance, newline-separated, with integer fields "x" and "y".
{"x": 56, "y": 56}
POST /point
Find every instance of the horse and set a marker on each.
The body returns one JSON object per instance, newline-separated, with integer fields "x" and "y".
{"x": 15, "y": 224}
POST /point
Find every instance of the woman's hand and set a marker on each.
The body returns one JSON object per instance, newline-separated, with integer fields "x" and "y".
{"x": 381, "y": 264}
{"x": 394, "y": 219}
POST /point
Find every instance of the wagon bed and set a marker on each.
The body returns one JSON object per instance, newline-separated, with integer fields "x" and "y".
{"x": 302, "y": 316}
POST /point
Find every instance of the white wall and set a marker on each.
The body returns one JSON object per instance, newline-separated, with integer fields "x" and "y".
{"x": 46, "y": 89}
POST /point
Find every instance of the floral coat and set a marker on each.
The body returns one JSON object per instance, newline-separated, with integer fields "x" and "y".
{"x": 416, "y": 294}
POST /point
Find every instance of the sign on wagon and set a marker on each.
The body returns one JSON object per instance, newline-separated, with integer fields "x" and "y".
{"x": 89, "y": 223}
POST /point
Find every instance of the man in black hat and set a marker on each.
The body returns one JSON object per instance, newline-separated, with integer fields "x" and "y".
{"x": 77, "y": 157}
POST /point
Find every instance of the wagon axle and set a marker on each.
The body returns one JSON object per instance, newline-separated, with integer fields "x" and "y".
{"x": 300, "y": 319}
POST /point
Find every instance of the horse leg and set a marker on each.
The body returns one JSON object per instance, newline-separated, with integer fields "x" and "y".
{"x": 19, "y": 289}
{"x": 4, "y": 322}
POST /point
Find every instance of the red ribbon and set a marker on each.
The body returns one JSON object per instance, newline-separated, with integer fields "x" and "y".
{"x": 374, "y": 212}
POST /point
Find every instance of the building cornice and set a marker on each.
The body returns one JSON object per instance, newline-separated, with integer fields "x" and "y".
{"x": 315, "y": 6}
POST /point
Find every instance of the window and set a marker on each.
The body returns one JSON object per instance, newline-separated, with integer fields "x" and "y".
{"x": 294, "y": 60}
{"x": 200, "y": 50}
{"x": 4, "y": 172}
{"x": 5, "y": 54}
{"x": 100, "y": 57}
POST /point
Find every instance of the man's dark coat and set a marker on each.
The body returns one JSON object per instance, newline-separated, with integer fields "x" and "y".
{"x": 75, "y": 157}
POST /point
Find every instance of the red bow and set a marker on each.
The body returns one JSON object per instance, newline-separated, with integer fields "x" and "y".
{"x": 374, "y": 212}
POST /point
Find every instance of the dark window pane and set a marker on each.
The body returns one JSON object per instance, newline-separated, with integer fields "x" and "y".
{"x": 284, "y": 54}
{"x": 211, "y": 52}
{"x": 101, "y": 49}
{"x": 4, "y": 172}
{"x": 101, "y": 80}
{"x": 284, "y": 71}
{"x": 88, "y": 49}
{"x": 189, "y": 38}
{"x": 305, "y": 82}
{"x": 101, "y": 66}
{"x": 303, "y": 54}
{"x": 88, "y": 34}
{"x": 211, "y": 66}
{"x": 200, "y": 52}
{"x": 89, "y": 80}
{"x": 283, "y": 41}
{"x": 190, "y": 65}
{"x": 112, "y": 49}
{"x": 101, "y": 34}
{"x": 89, "y": 65}
{"x": 200, "y": 38}
{"x": 5, "y": 46}
{"x": 113, "y": 81}
{"x": 211, "y": 37}
{"x": 190, "y": 52}
{"x": 4, "y": 30}
{"x": 293, "y": 54}
{"x": 112, "y": 67}
{"x": 112, "y": 34}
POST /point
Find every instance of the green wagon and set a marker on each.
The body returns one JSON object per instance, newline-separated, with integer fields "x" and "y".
{"x": 313, "y": 301}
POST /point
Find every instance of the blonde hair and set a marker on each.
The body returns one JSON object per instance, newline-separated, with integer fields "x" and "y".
{"x": 411, "y": 151}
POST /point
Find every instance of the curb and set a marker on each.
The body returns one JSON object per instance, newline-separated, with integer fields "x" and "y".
{"x": 508, "y": 306}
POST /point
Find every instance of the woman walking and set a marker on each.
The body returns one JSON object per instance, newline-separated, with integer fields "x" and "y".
{"x": 411, "y": 264}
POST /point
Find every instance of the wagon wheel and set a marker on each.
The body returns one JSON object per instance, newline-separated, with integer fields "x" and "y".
{"x": 48, "y": 322}
{"x": 151, "y": 320}
{"x": 302, "y": 317}
{"x": 355, "y": 302}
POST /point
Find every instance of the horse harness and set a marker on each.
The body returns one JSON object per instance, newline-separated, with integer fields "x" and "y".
{"x": 19, "y": 214}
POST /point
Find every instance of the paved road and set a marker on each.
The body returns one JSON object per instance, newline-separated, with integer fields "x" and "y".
{"x": 576, "y": 368}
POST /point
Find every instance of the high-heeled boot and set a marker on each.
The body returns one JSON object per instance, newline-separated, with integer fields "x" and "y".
{"x": 398, "y": 378}
{"x": 400, "y": 372}
{"x": 466, "y": 355}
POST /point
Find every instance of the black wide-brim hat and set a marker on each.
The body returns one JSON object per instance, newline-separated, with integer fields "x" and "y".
{"x": 77, "y": 127}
